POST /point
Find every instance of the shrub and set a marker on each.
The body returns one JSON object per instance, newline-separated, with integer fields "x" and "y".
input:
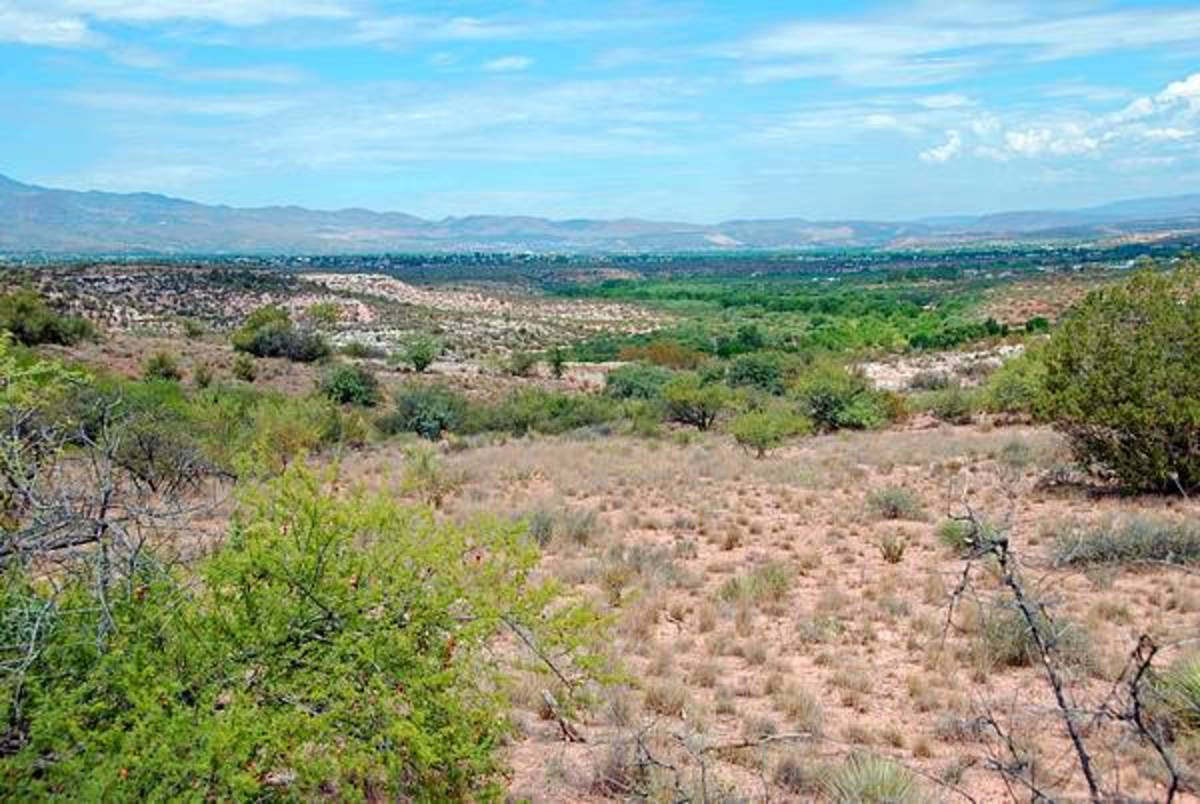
{"x": 337, "y": 646}
{"x": 963, "y": 537}
{"x": 425, "y": 410}
{"x": 892, "y": 547}
{"x": 756, "y": 370}
{"x": 763, "y": 430}
{"x": 162, "y": 366}
{"x": 426, "y": 475}
{"x": 869, "y": 779}
{"x": 835, "y": 397}
{"x": 557, "y": 358}
{"x": 690, "y": 401}
{"x": 244, "y": 368}
{"x": 202, "y": 375}
{"x": 1017, "y": 386}
{"x": 953, "y": 405}
{"x": 762, "y": 584}
{"x": 1128, "y": 540}
{"x": 1179, "y": 691}
{"x": 192, "y": 329}
{"x": 668, "y": 354}
{"x": 522, "y": 364}
{"x": 324, "y": 314}
{"x": 895, "y": 502}
{"x": 930, "y": 380}
{"x": 537, "y": 410}
{"x": 1006, "y": 640}
{"x": 637, "y": 381}
{"x": 363, "y": 351}
{"x": 420, "y": 352}
{"x": 1123, "y": 381}
{"x": 351, "y": 385}
{"x": 269, "y": 332}
{"x": 31, "y": 321}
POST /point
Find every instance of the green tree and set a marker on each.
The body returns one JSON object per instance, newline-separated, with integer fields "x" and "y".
{"x": 351, "y": 384}
{"x": 690, "y": 401}
{"x": 761, "y": 431}
{"x": 1123, "y": 380}
{"x": 421, "y": 351}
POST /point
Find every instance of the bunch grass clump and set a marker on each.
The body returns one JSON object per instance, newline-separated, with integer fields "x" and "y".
{"x": 1128, "y": 540}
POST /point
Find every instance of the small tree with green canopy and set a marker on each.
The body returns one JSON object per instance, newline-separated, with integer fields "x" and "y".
{"x": 691, "y": 401}
{"x": 1123, "y": 380}
{"x": 761, "y": 431}
{"x": 336, "y": 646}
{"x": 420, "y": 351}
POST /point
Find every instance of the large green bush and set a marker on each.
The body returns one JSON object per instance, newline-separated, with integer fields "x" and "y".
{"x": 351, "y": 384}
{"x": 335, "y": 647}
{"x": 1018, "y": 385}
{"x": 763, "y": 371}
{"x": 1123, "y": 380}
{"x": 540, "y": 411}
{"x": 270, "y": 332}
{"x": 637, "y": 381}
{"x": 31, "y": 321}
{"x": 835, "y": 397}
{"x": 424, "y": 410}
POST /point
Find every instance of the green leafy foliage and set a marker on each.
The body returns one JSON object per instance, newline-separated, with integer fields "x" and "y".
{"x": 536, "y": 410}
{"x": 270, "y": 332}
{"x": 1018, "y": 386}
{"x": 637, "y": 381}
{"x": 351, "y": 384}
{"x": 763, "y": 371}
{"x": 835, "y": 397}
{"x": 428, "y": 411}
{"x": 420, "y": 351}
{"x": 761, "y": 431}
{"x": 1123, "y": 380}
{"x": 689, "y": 400}
{"x": 335, "y": 646}
{"x": 31, "y": 321}
{"x": 162, "y": 366}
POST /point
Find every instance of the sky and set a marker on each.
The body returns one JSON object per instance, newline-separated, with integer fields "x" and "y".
{"x": 688, "y": 110}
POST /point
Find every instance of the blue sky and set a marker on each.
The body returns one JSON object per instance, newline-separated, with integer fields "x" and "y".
{"x": 684, "y": 110}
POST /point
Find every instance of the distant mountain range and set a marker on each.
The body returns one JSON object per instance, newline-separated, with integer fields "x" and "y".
{"x": 40, "y": 219}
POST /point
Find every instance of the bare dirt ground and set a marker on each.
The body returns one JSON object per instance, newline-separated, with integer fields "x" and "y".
{"x": 859, "y": 652}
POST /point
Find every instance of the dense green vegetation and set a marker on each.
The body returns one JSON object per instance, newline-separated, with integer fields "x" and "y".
{"x": 731, "y": 315}
{"x": 26, "y": 316}
{"x": 1123, "y": 380}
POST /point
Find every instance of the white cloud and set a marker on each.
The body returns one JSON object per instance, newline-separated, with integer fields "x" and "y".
{"x": 946, "y": 151}
{"x": 33, "y": 28}
{"x": 508, "y": 64}
{"x": 936, "y": 42}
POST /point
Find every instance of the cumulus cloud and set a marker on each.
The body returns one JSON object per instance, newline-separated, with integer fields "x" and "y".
{"x": 946, "y": 151}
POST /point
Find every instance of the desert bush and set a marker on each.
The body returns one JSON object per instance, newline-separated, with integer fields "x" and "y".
{"x": 31, "y": 321}
{"x": 835, "y": 397}
{"x": 892, "y": 547}
{"x": 1018, "y": 386}
{"x": 337, "y": 645}
{"x": 420, "y": 351}
{"x": 270, "y": 332}
{"x": 962, "y": 537}
{"x": 427, "y": 476}
{"x": 1006, "y": 639}
{"x": 895, "y": 502}
{"x": 536, "y": 410}
{"x": 521, "y": 363}
{"x": 192, "y": 329}
{"x": 362, "y": 351}
{"x": 930, "y": 380}
{"x": 1178, "y": 691}
{"x": 690, "y": 401}
{"x": 796, "y": 773}
{"x": 202, "y": 375}
{"x": 1128, "y": 540}
{"x": 953, "y": 405}
{"x": 763, "y": 371}
{"x": 351, "y": 385}
{"x": 765, "y": 583}
{"x": 1123, "y": 381}
{"x": 761, "y": 431}
{"x": 556, "y": 358}
{"x": 637, "y": 381}
{"x": 668, "y": 354}
{"x": 425, "y": 410}
{"x": 162, "y": 366}
{"x": 870, "y": 779}
{"x": 324, "y": 314}
{"x": 244, "y": 368}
